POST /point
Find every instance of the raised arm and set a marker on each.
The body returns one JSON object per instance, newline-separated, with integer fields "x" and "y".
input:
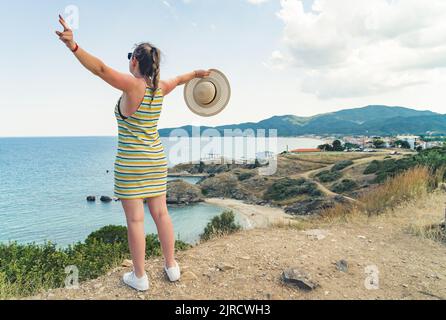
{"x": 170, "y": 84}
{"x": 121, "y": 81}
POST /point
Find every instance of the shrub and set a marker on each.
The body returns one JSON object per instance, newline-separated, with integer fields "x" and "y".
{"x": 109, "y": 234}
{"x": 341, "y": 165}
{"x": 245, "y": 176}
{"x": 373, "y": 167}
{"x": 328, "y": 176}
{"x": 28, "y": 268}
{"x": 220, "y": 225}
{"x": 346, "y": 185}
{"x": 287, "y": 188}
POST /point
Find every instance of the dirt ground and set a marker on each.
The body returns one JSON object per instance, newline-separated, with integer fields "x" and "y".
{"x": 249, "y": 264}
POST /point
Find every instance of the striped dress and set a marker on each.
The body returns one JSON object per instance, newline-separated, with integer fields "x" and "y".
{"x": 141, "y": 164}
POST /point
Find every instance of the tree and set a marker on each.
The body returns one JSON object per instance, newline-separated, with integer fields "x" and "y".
{"x": 378, "y": 143}
{"x": 325, "y": 147}
{"x": 402, "y": 144}
{"x": 337, "y": 146}
{"x": 349, "y": 145}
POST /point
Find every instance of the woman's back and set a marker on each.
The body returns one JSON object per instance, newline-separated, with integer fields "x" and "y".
{"x": 140, "y": 165}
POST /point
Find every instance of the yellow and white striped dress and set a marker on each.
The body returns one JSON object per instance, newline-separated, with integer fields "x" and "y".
{"x": 141, "y": 164}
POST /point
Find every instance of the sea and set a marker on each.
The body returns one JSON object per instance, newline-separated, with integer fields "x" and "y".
{"x": 44, "y": 182}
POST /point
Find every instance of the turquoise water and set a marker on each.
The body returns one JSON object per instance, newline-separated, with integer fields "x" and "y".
{"x": 44, "y": 183}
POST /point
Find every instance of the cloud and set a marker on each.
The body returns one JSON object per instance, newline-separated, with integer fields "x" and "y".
{"x": 344, "y": 48}
{"x": 257, "y": 1}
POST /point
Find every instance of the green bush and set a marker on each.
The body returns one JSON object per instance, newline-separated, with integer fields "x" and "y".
{"x": 27, "y": 268}
{"x": 341, "y": 165}
{"x": 109, "y": 234}
{"x": 220, "y": 225}
{"x": 245, "y": 176}
{"x": 287, "y": 188}
{"x": 328, "y": 176}
{"x": 346, "y": 185}
{"x": 373, "y": 167}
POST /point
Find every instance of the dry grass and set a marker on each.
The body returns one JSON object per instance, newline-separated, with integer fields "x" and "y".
{"x": 328, "y": 158}
{"x": 409, "y": 185}
{"x": 430, "y": 231}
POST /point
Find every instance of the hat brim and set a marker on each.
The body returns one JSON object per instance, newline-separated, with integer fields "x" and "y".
{"x": 223, "y": 94}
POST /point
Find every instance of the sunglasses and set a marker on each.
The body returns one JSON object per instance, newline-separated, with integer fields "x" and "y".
{"x": 129, "y": 56}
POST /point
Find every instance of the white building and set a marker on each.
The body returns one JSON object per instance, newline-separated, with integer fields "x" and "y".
{"x": 412, "y": 140}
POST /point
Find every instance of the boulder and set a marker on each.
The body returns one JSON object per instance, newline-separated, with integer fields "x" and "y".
{"x": 182, "y": 193}
{"x": 223, "y": 185}
{"x": 106, "y": 199}
{"x": 298, "y": 279}
{"x": 91, "y": 198}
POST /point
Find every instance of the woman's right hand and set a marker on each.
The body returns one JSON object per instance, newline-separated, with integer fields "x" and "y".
{"x": 202, "y": 73}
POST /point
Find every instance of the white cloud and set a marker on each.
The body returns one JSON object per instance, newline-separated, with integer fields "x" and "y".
{"x": 344, "y": 48}
{"x": 257, "y": 1}
{"x": 167, "y": 4}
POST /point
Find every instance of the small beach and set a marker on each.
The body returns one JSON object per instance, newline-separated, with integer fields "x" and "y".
{"x": 254, "y": 216}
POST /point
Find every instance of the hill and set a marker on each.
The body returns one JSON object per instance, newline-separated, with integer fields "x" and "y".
{"x": 249, "y": 264}
{"x": 369, "y": 120}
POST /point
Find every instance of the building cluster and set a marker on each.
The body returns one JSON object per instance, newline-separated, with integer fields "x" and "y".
{"x": 413, "y": 141}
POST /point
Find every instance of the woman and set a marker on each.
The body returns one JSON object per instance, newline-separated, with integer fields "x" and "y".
{"x": 140, "y": 165}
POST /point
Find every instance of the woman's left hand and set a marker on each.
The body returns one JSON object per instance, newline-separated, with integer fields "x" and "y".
{"x": 67, "y": 35}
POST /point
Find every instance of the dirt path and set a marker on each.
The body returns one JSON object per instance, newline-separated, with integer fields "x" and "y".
{"x": 310, "y": 174}
{"x": 249, "y": 264}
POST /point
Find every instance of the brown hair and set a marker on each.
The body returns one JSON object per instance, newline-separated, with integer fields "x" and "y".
{"x": 149, "y": 58}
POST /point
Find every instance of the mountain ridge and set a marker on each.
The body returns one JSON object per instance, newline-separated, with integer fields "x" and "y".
{"x": 368, "y": 120}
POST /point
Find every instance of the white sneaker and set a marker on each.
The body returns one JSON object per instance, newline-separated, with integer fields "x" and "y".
{"x": 173, "y": 272}
{"x": 140, "y": 284}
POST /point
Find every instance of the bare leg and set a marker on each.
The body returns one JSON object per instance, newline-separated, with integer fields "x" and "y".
{"x": 160, "y": 215}
{"x": 134, "y": 212}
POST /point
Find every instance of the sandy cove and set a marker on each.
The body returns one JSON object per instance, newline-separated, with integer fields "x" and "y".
{"x": 255, "y": 216}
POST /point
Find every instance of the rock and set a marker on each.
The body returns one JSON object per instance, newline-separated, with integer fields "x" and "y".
{"x": 183, "y": 193}
{"x": 127, "y": 263}
{"x": 297, "y": 278}
{"x": 91, "y": 198}
{"x": 342, "y": 265}
{"x": 188, "y": 276}
{"x": 316, "y": 234}
{"x": 106, "y": 199}
{"x": 224, "y": 267}
{"x": 362, "y": 237}
{"x": 223, "y": 185}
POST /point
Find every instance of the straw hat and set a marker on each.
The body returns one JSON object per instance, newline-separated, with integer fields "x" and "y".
{"x": 209, "y": 95}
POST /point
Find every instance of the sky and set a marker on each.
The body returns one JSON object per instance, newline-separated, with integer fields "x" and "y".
{"x": 281, "y": 57}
